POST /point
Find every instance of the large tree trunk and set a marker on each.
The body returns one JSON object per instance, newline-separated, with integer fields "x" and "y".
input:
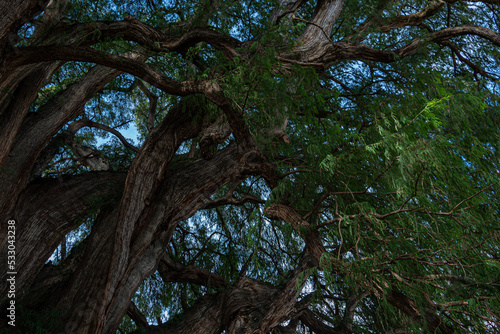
{"x": 135, "y": 214}
{"x": 91, "y": 302}
{"x": 249, "y": 306}
{"x": 39, "y": 128}
{"x": 47, "y": 210}
{"x": 129, "y": 236}
{"x": 18, "y": 103}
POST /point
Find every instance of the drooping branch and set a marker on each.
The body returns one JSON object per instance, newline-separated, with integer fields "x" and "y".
{"x": 456, "y": 51}
{"x": 317, "y": 249}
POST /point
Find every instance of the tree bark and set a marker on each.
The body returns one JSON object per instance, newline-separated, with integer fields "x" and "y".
{"x": 14, "y": 112}
{"x": 14, "y": 14}
{"x": 40, "y": 127}
{"x": 405, "y": 304}
{"x": 46, "y": 211}
{"x": 137, "y": 213}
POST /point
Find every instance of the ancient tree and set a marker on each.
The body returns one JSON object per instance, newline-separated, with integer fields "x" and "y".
{"x": 301, "y": 166}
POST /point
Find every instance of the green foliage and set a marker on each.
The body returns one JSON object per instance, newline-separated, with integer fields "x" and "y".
{"x": 394, "y": 165}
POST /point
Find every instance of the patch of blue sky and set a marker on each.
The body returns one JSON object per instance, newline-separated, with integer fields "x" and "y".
{"x": 130, "y": 133}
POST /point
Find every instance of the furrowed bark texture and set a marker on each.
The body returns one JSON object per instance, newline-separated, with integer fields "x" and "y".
{"x": 14, "y": 14}
{"x": 14, "y": 112}
{"x": 48, "y": 210}
{"x": 136, "y": 212}
{"x": 249, "y": 306}
{"x": 37, "y": 129}
{"x": 314, "y": 244}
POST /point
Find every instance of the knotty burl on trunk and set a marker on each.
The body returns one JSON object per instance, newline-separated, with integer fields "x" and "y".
{"x": 302, "y": 166}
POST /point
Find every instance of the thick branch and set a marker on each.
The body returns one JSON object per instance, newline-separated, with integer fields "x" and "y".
{"x": 228, "y": 200}
{"x": 433, "y": 322}
{"x": 213, "y": 135}
{"x": 40, "y": 127}
{"x": 21, "y": 98}
{"x": 135, "y": 314}
{"x": 285, "y": 8}
{"x": 130, "y": 29}
{"x": 300, "y": 225}
{"x": 309, "y": 319}
{"x": 388, "y": 24}
{"x": 171, "y": 271}
{"x": 14, "y": 14}
{"x": 346, "y": 50}
{"x": 139, "y": 68}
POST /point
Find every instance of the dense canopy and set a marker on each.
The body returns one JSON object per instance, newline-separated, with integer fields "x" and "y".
{"x": 276, "y": 166}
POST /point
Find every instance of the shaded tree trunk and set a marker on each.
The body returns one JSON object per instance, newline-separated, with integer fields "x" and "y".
{"x": 136, "y": 213}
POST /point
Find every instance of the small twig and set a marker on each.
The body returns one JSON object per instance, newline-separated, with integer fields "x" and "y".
{"x": 294, "y": 171}
{"x": 415, "y": 190}
{"x": 471, "y": 197}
